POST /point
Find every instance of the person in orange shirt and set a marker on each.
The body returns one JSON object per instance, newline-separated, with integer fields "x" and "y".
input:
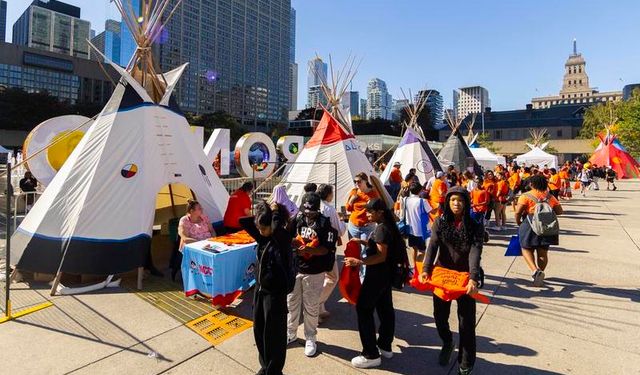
{"x": 436, "y": 196}
{"x": 502, "y": 192}
{"x": 529, "y": 240}
{"x": 395, "y": 180}
{"x": 565, "y": 183}
{"x": 554, "y": 183}
{"x": 480, "y": 200}
{"x": 359, "y": 225}
{"x": 490, "y": 187}
{"x": 514, "y": 186}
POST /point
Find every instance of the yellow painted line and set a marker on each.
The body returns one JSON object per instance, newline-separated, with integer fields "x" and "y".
{"x": 24, "y": 312}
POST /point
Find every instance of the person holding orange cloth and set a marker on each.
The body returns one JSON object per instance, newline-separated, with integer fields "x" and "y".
{"x": 359, "y": 226}
{"x": 436, "y": 196}
{"x": 554, "y": 183}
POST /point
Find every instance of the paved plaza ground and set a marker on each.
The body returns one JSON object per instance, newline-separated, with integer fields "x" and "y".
{"x": 585, "y": 321}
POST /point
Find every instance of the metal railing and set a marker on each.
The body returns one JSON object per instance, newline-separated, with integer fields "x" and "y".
{"x": 23, "y": 196}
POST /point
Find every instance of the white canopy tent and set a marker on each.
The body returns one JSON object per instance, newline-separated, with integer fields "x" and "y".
{"x": 486, "y": 158}
{"x": 538, "y": 157}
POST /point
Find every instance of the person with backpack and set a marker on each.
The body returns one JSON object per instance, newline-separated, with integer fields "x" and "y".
{"x": 536, "y": 215}
{"x": 315, "y": 245}
{"x": 456, "y": 242}
{"x": 585, "y": 177}
{"x": 385, "y": 252}
{"x": 274, "y": 280}
{"x": 414, "y": 212}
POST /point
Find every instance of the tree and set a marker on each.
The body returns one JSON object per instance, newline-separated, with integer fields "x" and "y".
{"x": 424, "y": 121}
{"x": 310, "y": 114}
{"x": 595, "y": 118}
{"x": 217, "y": 120}
{"x": 484, "y": 140}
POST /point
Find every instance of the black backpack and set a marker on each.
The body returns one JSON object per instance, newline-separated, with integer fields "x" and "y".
{"x": 399, "y": 263}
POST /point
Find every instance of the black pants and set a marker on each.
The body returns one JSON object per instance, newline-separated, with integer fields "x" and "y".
{"x": 270, "y": 331}
{"x": 467, "y": 329}
{"x": 375, "y": 294}
{"x": 555, "y": 193}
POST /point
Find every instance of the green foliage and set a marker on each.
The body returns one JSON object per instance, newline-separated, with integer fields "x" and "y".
{"x": 217, "y": 120}
{"x": 627, "y": 126}
{"x": 485, "y": 141}
{"x": 20, "y": 110}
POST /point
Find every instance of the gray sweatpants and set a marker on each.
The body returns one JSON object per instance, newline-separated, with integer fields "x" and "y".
{"x": 305, "y": 296}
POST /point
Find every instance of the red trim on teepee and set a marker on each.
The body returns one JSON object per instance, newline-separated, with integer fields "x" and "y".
{"x": 328, "y": 132}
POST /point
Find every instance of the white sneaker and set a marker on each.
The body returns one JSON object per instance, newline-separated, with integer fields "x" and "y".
{"x": 362, "y": 362}
{"x": 310, "y": 348}
{"x": 386, "y": 354}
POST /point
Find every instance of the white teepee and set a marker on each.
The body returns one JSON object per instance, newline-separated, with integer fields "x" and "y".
{"x": 413, "y": 151}
{"x": 537, "y": 155}
{"x": 97, "y": 214}
{"x": 332, "y": 142}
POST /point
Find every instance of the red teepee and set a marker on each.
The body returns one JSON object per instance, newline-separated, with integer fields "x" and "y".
{"x": 610, "y": 152}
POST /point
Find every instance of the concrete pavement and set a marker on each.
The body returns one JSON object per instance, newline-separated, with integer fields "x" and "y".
{"x": 586, "y": 320}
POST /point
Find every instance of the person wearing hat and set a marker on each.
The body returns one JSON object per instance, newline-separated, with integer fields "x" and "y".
{"x": 375, "y": 294}
{"x": 395, "y": 180}
{"x": 456, "y": 243}
{"x": 315, "y": 244}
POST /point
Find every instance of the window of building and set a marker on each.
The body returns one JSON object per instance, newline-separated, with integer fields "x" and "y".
{"x": 559, "y": 133}
{"x": 498, "y": 134}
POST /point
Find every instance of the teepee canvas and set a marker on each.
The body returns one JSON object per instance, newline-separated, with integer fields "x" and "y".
{"x": 97, "y": 214}
{"x": 455, "y": 151}
{"x": 537, "y": 155}
{"x": 413, "y": 151}
{"x": 611, "y": 153}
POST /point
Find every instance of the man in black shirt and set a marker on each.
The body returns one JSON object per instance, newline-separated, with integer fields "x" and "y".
{"x": 29, "y": 184}
{"x": 315, "y": 244}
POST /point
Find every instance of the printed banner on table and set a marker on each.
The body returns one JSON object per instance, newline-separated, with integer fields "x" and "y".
{"x": 223, "y": 274}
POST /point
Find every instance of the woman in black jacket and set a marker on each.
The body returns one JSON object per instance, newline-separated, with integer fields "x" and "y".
{"x": 268, "y": 228}
{"x": 457, "y": 241}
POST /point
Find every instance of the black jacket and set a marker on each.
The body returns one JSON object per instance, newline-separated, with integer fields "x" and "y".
{"x": 273, "y": 254}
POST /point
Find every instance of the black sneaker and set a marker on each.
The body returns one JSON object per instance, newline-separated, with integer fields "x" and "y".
{"x": 465, "y": 371}
{"x": 445, "y": 354}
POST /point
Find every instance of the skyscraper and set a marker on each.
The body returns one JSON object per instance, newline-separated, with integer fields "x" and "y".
{"x": 378, "y": 100}
{"x": 127, "y": 44}
{"x": 108, "y": 42}
{"x": 363, "y": 109}
{"x": 293, "y": 66}
{"x": 240, "y": 67}
{"x": 351, "y": 99}
{"x": 3, "y": 20}
{"x": 472, "y": 99}
{"x": 317, "y": 72}
{"x": 399, "y": 108}
{"x": 435, "y": 105}
{"x": 316, "y": 97}
{"x": 53, "y": 26}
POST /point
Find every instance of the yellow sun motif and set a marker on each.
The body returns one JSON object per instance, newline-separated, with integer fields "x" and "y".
{"x": 60, "y": 151}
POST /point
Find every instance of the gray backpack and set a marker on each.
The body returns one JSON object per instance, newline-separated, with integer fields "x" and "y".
{"x": 544, "y": 221}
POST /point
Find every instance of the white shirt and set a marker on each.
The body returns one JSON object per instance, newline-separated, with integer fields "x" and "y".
{"x": 411, "y": 213}
{"x": 330, "y": 212}
{"x": 471, "y": 185}
{"x": 430, "y": 182}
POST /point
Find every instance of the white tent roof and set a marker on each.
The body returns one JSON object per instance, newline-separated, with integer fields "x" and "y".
{"x": 486, "y": 158}
{"x": 411, "y": 154}
{"x": 329, "y": 144}
{"x": 538, "y": 157}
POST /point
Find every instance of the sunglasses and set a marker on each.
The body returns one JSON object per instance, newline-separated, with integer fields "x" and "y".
{"x": 357, "y": 181}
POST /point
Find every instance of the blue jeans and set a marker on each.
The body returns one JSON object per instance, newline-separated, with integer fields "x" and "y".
{"x": 362, "y": 233}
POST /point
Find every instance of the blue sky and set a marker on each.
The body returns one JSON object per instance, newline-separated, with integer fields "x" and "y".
{"x": 514, "y": 48}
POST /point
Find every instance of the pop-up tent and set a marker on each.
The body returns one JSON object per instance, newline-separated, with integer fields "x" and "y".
{"x": 611, "y": 153}
{"x": 413, "y": 151}
{"x": 537, "y": 155}
{"x": 96, "y": 215}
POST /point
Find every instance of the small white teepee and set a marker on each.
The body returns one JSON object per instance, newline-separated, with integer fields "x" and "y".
{"x": 97, "y": 214}
{"x": 332, "y": 142}
{"x": 413, "y": 151}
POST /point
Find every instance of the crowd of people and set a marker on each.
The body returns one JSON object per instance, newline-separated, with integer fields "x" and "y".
{"x": 443, "y": 222}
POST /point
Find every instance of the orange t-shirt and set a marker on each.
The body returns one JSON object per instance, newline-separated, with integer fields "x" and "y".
{"x": 479, "y": 200}
{"x": 490, "y": 187}
{"x": 239, "y": 202}
{"x": 395, "y": 175}
{"x": 530, "y": 204}
{"x": 502, "y": 190}
{"x": 554, "y": 182}
{"x": 514, "y": 181}
{"x": 438, "y": 191}
{"x": 564, "y": 174}
{"x": 358, "y": 215}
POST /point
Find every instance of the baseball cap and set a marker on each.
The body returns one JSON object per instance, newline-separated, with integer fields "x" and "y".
{"x": 397, "y": 164}
{"x": 439, "y": 174}
{"x": 311, "y": 202}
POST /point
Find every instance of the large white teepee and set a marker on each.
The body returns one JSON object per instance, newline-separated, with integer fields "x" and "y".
{"x": 329, "y": 144}
{"x": 537, "y": 155}
{"x": 97, "y": 214}
{"x": 413, "y": 151}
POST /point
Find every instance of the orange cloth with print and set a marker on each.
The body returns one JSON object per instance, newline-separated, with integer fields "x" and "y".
{"x": 479, "y": 200}
{"x": 238, "y": 238}
{"x": 502, "y": 190}
{"x": 396, "y": 175}
{"x": 530, "y": 204}
{"x": 554, "y": 182}
{"x": 437, "y": 195}
{"x": 448, "y": 285}
{"x": 358, "y": 215}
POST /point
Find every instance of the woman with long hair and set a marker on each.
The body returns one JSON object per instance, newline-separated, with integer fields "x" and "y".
{"x": 375, "y": 294}
{"x": 273, "y": 251}
{"x": 359, "y": 225}
{"x": 456, "y": 241}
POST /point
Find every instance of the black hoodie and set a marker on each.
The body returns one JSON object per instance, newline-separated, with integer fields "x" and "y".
{"x": 457, "y": 248}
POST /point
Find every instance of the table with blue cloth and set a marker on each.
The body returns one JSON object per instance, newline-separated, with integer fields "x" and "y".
{"x": 218, "y": 271}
